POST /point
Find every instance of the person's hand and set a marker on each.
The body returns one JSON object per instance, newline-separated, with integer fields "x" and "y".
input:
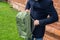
{"x": 36, "y": 22}
{"x": 27, "y": 11}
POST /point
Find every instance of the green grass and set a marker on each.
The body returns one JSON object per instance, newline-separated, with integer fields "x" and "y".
{"x": 8, "y": 28}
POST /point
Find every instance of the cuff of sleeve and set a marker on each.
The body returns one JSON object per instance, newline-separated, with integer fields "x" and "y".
{"x": 41, "y": 22}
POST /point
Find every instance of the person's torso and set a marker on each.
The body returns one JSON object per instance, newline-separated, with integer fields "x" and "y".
{"x": 38, "y": 9}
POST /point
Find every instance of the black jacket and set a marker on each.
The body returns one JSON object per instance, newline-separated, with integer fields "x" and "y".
{"x": 40, "y": 10}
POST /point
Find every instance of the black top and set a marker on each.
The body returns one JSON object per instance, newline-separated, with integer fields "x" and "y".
{"x": 40, "y": 10}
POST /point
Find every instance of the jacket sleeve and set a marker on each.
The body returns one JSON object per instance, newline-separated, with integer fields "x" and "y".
{"x": 27, "y": 5}
{"x": 53, "y": 16}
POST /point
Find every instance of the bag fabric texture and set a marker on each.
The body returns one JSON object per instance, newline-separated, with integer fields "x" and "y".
{"x": 24, "y": 25}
